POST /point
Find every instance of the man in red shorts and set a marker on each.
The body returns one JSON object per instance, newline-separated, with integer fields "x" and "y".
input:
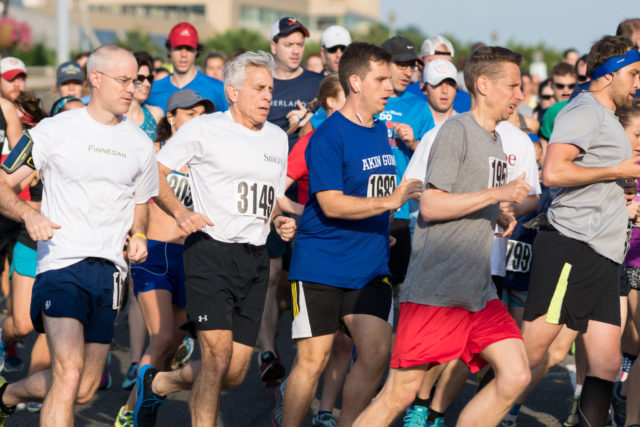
{"x": 449, "y": 307}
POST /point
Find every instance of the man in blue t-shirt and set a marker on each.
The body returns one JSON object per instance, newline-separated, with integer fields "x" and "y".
{"x": 182, "y": 49}
{"x": 339, "y": 266}
{"x": 407, "y": 118}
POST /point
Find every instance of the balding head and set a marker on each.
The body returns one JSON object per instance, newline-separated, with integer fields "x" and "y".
{"x": 106, "y": 58}
{"x": 112, "y": 72}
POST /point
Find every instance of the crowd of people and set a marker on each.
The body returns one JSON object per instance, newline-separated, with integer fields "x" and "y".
{"x": 497, "y": 209}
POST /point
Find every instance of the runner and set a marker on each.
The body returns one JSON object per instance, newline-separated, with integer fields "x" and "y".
{"x": 214, "y": 64}
{"x": 226, "y": 265}
{"x": 183, "y": 48}
{"x": 440, "y": 89}
{"x": 144, "y": 116}
{"x": 334, "y": 41}
{"x": 77, "y": 290}
{"x": 158, "y": 283}
{"x": 461, "y": 198}
{"x": 574, "y": 267}
{"x": 352, "y": 188}
{"x": 13, "y": 78}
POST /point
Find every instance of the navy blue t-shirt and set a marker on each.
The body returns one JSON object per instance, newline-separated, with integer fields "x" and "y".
{"x": 208, "y": 87}
{"x": 358, "y": 161}
{"x": 285, "y": 94}
{"x": 461, "y": 103}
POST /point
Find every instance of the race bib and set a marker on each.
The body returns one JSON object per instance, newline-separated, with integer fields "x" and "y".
{"x": 179, "y": 183}
{"x": 497, "y": 172}
{"x": 381, "y": 185}
{"x": 255, "y": 199}
{"x": 518, "y": 256}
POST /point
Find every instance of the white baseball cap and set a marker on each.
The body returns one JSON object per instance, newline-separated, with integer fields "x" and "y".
{"x": 10, "y": 67}
{"x": 335, "y": 35}
{"x": 438, "y": 71}
{"x": 429, "y": 45}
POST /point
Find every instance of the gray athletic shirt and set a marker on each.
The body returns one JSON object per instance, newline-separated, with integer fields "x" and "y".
{"x": 450, "y": 260}
{"x": 596, "y": 213}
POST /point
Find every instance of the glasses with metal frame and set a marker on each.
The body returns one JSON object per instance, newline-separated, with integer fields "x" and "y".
{"x": 123, "y": 81}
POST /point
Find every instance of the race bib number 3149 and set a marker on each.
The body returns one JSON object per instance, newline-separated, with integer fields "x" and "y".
{"x": 255, "y": 199}
{"x": 497, "y": 172}
{"x": 381, "y": 185}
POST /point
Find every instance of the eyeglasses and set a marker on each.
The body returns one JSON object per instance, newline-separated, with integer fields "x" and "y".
{"x": 582, "y": 78}
{"x": 406, "y": 64}
{"x": 546, "y": 97}
{"x": 141, "y": 78}
{"x": 123, "y": 81}
{"x": 561, "y": 86}
{"x": 334, "y": 49}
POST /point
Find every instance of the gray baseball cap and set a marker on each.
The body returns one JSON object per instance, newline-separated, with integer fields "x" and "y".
{"x": 187, "y": 98}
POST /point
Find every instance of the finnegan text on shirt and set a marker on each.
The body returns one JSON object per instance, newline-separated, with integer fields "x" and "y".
{"x": 107, "y": 151}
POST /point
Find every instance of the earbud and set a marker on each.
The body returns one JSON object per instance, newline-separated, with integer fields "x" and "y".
{"x": 171, "y": 121}
{"x": 358, "y": 86}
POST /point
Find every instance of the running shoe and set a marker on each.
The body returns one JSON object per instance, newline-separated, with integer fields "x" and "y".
{"x": 325, "y": 420}
{"x": 276, "y": 414}
{"x": 105, "y": 381}
{"x": 13, "y": 364}
{"x": 416, "y": 416}
{"x": 125, "y": 418}
{"x": 271, "y": 369}
{"x": 4, "y": 411}
{"x": 183, "y": 353}
{"x": 147, "y": 402}
{"x": 508, "y": 423}
{"x": 130, "y": 376}
{"x": 573, "y": 419}
{"x": 619, "y": 404}
{"x": 34, "y": 407}
{"x": 438, "y": 422}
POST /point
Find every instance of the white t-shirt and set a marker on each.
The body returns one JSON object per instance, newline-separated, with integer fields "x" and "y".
{"x": 93, "y": 175}
{"x": 417, "y": 167}
{"x": 236, "y": 174}
{"x": 521, "y": 157}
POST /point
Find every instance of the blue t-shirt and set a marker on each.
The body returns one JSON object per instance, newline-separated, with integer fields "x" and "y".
{"x": 356, "y": 160}
{"x": 318, "y": 117}
{"x": 206, "y": 86}
{"x": 409, "y": 109}
{"x": 461, "y": 103}
{"x": 285, "y": 94}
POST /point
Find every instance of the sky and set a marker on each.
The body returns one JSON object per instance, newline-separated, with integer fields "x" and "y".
{"x": 560, "y": 24}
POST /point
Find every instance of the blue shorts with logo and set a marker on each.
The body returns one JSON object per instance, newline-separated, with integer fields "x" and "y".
{"x": 163, "y": 269}
{"x": 82, "y": 291}
{"x": 25, "y": 260}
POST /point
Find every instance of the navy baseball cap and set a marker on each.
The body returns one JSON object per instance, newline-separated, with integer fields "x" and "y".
{"x": 286, "y": 26}
{"x": 69, "y": 71}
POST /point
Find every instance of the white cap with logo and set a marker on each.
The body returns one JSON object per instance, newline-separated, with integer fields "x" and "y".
{"x": 335, "y": 35}
{"x": 429, "y": 45}
{"x": 438, "y": 71}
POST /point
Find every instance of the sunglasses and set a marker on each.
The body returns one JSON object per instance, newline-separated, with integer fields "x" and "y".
{"x": 437, "y": 52}
{"x": 141, "y": 78}
{"x": 582, "y": 78}
{"x": 561, "y": 86}
{"x": 546, "y": 97}
{"x": 334, "y": 49}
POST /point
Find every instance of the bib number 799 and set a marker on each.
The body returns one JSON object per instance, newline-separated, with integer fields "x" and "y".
{"x": 255, "y": 199}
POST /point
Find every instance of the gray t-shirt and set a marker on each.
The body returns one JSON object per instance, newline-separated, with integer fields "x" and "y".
{"x": 596, "y": 213}
{"x": 450, "y": 260}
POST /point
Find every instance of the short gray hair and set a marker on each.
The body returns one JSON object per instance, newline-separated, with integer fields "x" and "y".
{"x": 101, "y": 58}
{"x": 235, "y": 70}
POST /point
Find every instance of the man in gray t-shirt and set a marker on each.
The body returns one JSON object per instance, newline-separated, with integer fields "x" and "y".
{"x": 575, "y": 268}
{"x": 449, "y": 308}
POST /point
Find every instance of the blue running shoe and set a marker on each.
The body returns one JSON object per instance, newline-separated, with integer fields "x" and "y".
{"x": 130, "y": 376}
{"x": 105, "y": 380}
{"x": 438, "y": 422}
{"x": 147, "y": 402}
{"x": 416, "y": 416}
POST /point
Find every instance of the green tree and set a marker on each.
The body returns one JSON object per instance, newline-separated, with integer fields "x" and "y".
{"x": 242, "y": 38}
{"x": 414, "y": 34}
{"x": 136, "y": 41}
{"x": 376, "y": 34}
{"x": 38, "y": 55}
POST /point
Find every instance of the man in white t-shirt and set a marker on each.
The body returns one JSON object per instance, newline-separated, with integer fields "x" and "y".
{"x": 99, "y": 171}
{"x": 235, "y": 188}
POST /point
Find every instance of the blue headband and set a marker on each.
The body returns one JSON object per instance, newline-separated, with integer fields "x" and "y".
{"x": 615, "y": 63}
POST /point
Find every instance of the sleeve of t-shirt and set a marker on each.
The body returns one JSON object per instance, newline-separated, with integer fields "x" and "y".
{"x": 147, "y": 181}
{"x": 296, "y": 164}
{"x": 42, "y": 143}
{"x": 531, "y": 167}
{"x": 577, "y": 125}
{"x": 446, "y": 156}
{"x": 324, "y": 161}
{"x": 184, "y": 145}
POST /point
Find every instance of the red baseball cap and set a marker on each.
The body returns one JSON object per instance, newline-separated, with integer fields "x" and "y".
{"x": 11, "y": 67}
{"x": 183, "y": 34}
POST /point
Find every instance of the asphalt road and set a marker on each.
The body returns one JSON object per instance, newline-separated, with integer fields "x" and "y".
{"x": 250, "y": 404}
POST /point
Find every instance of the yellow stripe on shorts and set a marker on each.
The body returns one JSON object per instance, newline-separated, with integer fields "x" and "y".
{"x": 555, "y": 307}
{"x": 294, "y": 299}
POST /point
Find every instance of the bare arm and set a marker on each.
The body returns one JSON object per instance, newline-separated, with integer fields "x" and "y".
{"x": 439, "y": 205}
{"x": 528, "y": 205}
{"x": 559, "y": 168}
{"x": 288, "y": 205}
{"x": 335, "y": 204}
{"x": 138, "y": 244}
